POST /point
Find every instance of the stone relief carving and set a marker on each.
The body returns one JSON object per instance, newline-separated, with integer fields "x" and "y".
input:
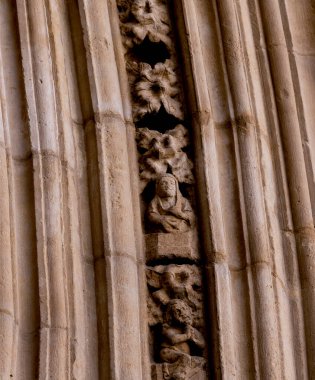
{"x": 178, "y": 337}
{"x": 144, "y": 18}
{"x": 169, "y": 211}
{"x": 163, "y": 153}
{"x": 175, "y": 306}
{"x": 154, "y": 87}
{"x": 174, "y": 281}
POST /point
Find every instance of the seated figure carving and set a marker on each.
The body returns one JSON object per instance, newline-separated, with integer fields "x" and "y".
{"x": 169, "y": 211}
{"x": 178, "y": 337}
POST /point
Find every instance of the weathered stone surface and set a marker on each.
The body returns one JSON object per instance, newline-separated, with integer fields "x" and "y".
{"x": 181, "y": 245}
{"x": 169, "y": 211}
{"x": 157, "y": 198}
{"x": 164, "y": 154}
{"x": 194, "y": 372}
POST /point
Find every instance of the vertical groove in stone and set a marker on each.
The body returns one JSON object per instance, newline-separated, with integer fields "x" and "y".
{"x": 93, "y": 193}
{"x": 26, "y": 355}
{"x": 280, "y": 65}
{"x": 7, "y": 309}
{"x": 222, "y": 343}
{"x": 282, "y": 256}
{"x": 70, "y": 122}
{"x": 8, "y": 317}
{"x": 116, "y": 202}
{"x": 133, "y": 164}
{"x": 298, "y": 24}
{"x": 255, "y": 222}
{"x": 283, "y": 250}
{"x": 37, "y": 66}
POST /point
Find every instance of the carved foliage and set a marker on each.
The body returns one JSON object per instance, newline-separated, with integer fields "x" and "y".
{"x": 153, "y": 88}
{"x": 162, "y": 153}
{"x": 167, "y": 282}
{"x": 175, "y": 297}
{"x": 163, "y": 161}
{"x": 156, "y": 85}
{"x": 143, "y": 18}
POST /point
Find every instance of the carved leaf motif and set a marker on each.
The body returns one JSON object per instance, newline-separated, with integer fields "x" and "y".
{"x": 181, "y": 135}
{"x": 144, "y": 18}
{"x": 164, "y": 154}
{"x": 175, "y": 282}
{"x": 154, "y": 87}
{"x": 153, "y": 278}
{"x": 178, "y": 297}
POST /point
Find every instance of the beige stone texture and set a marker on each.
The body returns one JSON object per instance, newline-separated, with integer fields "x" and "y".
{"x": 102, "y": 274}
{"x": 182, "y": 245}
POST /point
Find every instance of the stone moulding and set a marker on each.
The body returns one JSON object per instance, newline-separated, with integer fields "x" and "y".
{"x": 104, "y": 279}
{"x": 154, "y": 87}
{"x": 163, "y": 153}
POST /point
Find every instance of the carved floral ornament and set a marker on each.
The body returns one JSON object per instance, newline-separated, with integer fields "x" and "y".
{"x": 175, "y": 312}
{"x": 175, "y": 282}
{"x": 175, "y": 305}
{"x": 163, "y": 154}
{"x": 155, "y": 87}
{"x": 152, "y": 86}
{"x": 143, "y": 18}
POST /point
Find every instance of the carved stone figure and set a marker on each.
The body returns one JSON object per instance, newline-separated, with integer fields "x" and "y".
{"x": 169, "y": 211}
{"x": 163, "y": 153}
{"x": 178, "y": 338}
{"x": 175, "y": 310}
{"x": 174, "y": 282}
{"x": 175, "y": 301}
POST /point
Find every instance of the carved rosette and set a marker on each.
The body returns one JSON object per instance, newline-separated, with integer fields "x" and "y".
{"x": 175, "y": 305}
{"x": 154, "y": 87}
{"x": 163, "y": 153}
{"x": 142, "y": 19}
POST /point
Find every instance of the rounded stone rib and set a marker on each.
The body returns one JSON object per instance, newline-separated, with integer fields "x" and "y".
{"x": 285, "y": 85}
{"x": 116, "y": 203}
{"x": 41, "y": 105}
{"x": 208, "y": 185}
{"x": 157, "y": 198}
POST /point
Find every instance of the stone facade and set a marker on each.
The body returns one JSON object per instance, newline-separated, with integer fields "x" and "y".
{"x": 157, "y": 195}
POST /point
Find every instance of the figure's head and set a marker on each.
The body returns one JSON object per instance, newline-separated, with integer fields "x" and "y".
{"x": 179, "y": 312}
{"x": 142, "y": 9}
{"x": 166, "y": 186}
{"x": 177, "y": 279}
